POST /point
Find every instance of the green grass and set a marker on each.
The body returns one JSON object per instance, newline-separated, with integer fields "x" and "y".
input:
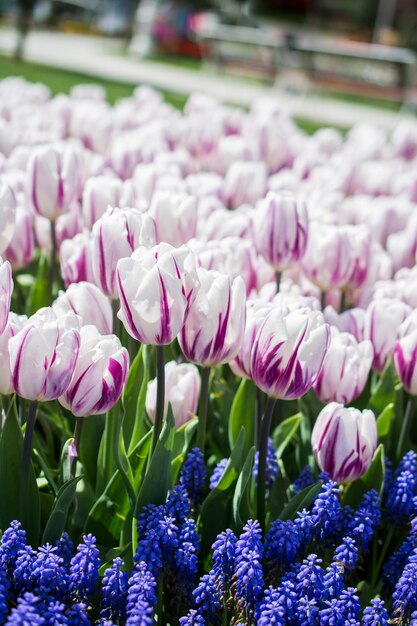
{"x": 61, "y": 81}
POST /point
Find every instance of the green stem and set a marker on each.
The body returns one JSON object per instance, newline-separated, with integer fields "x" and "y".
{"x": 79, "y": 422}
{"x": 53, "y": 268}
{"x": 202, "y": 409}
{"x": 160, "y": 396}
{"x": 26, "y": 458}
{"x": 343, "y": 302}
{"x": 405, "y": 427}
{"x": 375, "y": 573}
{"x": 278, "y": 280}
{"x": 116, "y": 321}
{"x": 263, "y": 447}
{"x": 109, "y": 437}
{"x": 125, "y": 478}
{"x": 323, "y": 300}
{"x": 259, "y": 413}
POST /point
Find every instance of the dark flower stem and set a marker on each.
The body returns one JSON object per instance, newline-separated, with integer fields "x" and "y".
{"x": 278, "y": 280}
{"x": 53, "y": 261}
{"x": 263, "y": 447}
{"x": 202, "y": 409}
{"x": 116, "y": 321}
{"x": 26, "y": 459}
{"x": 160, "y": 396}
{"x": 79, "y": 421}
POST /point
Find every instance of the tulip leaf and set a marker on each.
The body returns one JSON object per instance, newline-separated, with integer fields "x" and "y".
{"x": 243, "y": 414}
{"x": 372, "y": 479}
{"x": 383, "y": 422}
{"x": 40, "y": 294}
{"x": 109, "y": 513}
{"x": 55, "y": 525}
{"x": 139, "y": 413}
{"x": 157, "y": 480}
{"x": 241, "y": 498}
{"x": 11, "y": 452}
{"x": 383, "y": 392}
{"x": 109, "y": 557}
{"x": 278, "y": 496}
{"x": 300, "y": 501}
{"x": 92, "y": 433}
{"x": 182, "y": 440}
{"x": 216, "y": 510}
{"x": 130, "y": 394}
{"x": 285, "y": 432}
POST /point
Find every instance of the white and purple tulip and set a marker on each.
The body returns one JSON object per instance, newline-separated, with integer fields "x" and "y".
{"x": 7, "y": 215}
{"x": 89, "y": 303}
{"x": 382, "y": 327}
{"x": 182, "y": 390}
{"x": 99, "y": 375}
{"x": 20, "y": 250}
{"x": 115, "y": 236}
{"x": 6, "y": 288}
{"x": 76, "y": 259}
{"x": 288, "y": 352}
{"x": 14, "y": 324}
{"x": 281, "y": 229}
{"x": 405, "y": 361}
{"x": 43, "y": 355}
{"x": 214, "y": 327}
{"x": 175, "y": 216}
{"x": 345, "y": 369}
{"x": 344, "y": 441}
{"x": 156, "y": 289}
{"x": 256, "y": 311}
{"x": 53, "y": 180}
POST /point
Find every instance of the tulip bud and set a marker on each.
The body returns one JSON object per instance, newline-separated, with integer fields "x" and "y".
{"x": 382, "y": 324}
{"x": 99, "y": 375}
{"x": 99, "y": 193}
{"x": 344, "y": 441}
{"x": 405, "y": 361}
{"x": 53, "y": 180}
{"x": 76, "y": 259}
{"x": 256, "y": 311}
{"x": 43, "y": 355}
{"x": 288, "y": 352}
{"x": 115, "y": 236}
{"x": 345, "y": 369}
{"x": 245, "y": 182}
{"x": 89, "y": 303}
{"x": 175, "y": 217}
{"x": 350, "y": 321}
{"x": 156, "y": 289}
{"x": 329, "y": 260}
{"x": 19, "y": 252}
{"x": 281, "y": 229}
{"x": 6, "y": 288}
{"x": 182, "y": 389}
{"x": 214, "y": 328}
{"x": 7, "y": 215}
{"x": 14, "y": 324}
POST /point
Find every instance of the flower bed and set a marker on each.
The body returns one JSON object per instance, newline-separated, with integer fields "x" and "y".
{"x": 211, "y": 394}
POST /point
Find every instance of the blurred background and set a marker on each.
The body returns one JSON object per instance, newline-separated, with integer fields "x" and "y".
{"x": 362, "y": 51}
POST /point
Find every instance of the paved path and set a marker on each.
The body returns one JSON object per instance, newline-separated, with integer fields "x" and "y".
{"x": 97, "y": 56}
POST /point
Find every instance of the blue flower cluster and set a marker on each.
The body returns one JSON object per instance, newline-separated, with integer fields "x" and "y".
{"x": 304, "y": 570}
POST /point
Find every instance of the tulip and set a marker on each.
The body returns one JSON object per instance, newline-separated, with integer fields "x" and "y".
{"x": 281, "y": 229}
{"x": 156, "y": 289}
{"x": 256, "y": 311}
{"x": 89, "y": 303}
{"x": 405, "y": 361}
{"x": 345, "y": 369}
{"x": 182, "y": 391}
{"x": 98, "y": 194}
{"x": 14, "y": 324}
{"x": 115, "y": 236}
{"x": 6, "y": 288}
{"x": 328, "y": 258}
{"x": 175, "y": 217}
{"x": 99, "y": 375}
{"x": 382, "y": 324}
{"x": 214, "y": 328}
{"x": 76, "y": 259}
{"x": 288, "y": 352}
{"x": 350, "y": 321}
{"x": 245, "y": 182}
{"x": 344, "y": 441}
{"x": 43, "y": 355}
{"x": 7, "y": 215}
{"x": 19, "y": 252}
{"x": 53, "y": 180}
